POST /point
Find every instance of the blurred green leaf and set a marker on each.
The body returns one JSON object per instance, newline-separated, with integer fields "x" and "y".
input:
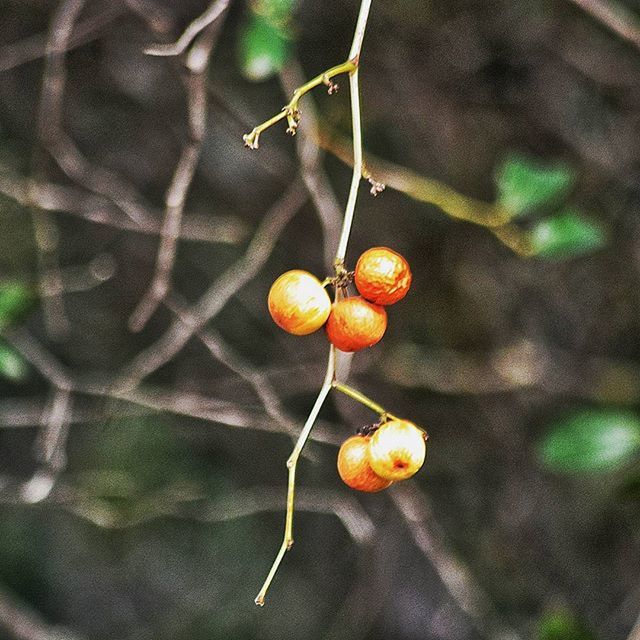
{"x": 16, "y": 300}
{"x": 264, "y": 48}
{"x": 12, "y": 365}
{"x": 566, "y": 234}
{"x": 592, "y": 440}
{"x": 525, "y": 185}
{"x": 278, "y": 12}
{"x": 562, "y": 625}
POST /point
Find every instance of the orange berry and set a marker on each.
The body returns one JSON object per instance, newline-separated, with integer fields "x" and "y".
{"x": 354, "y": 468}
{"x": 298, "y": 303}
{"x": 355, "y": 323}
{"x": 397, "y": 450}
{"x": 382, "y": 276}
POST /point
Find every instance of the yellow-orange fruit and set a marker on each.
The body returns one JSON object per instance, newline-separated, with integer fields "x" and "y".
{"x": 298, "y": 303}
{"x": 397, "y": 450}
{"x": 382, "y": 276}
{"x": 355, "y": 323}
{"x": 354, "y": 468}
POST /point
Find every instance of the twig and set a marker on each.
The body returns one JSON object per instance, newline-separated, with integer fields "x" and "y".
{"x": 456, "y": 205}
{"x": 615, "y": 16}
{"x": 313, "y": 173}
{"x": 199, "y": 24}
{"x": 19, "y": 53}
{"x": 51, "y": 197}
{"x": 197, "y": 64}
{"x": 220, "y": 292}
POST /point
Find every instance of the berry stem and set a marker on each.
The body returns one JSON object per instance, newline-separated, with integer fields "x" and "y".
{"x": 362, "y": 399}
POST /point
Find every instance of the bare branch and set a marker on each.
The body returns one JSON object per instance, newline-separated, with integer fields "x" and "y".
{"x": 215, "y": 10}
{"x": 196, "y": 87}
{"x": 24, "y": 624}
{"x": 455, "y": 576}
{"x": 221, "y": 291}
{"x": 34, "y": 47}
{"x": 94, "y": 208}
{"x": 615, "y": 16}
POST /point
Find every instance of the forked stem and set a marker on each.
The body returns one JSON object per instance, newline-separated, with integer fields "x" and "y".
{"x": 291, "y": 111}
{"x": 292, "y": 463}
{"x": 358, "y": 396}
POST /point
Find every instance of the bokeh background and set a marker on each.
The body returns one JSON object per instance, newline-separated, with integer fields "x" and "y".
{"x": 142, "y": 477}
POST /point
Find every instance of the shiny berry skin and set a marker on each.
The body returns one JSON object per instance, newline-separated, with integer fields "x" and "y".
{"x": 354, "y": 468}
{"x": 397, "y": 450}
{"x": 298, "y": 303}
{"x": 382, "y": 276}
{"x": 355, "y": 324}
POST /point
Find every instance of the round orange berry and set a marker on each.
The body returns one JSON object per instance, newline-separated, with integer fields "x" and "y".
{"x": 382, "y": 276}
{"x": 298, "y": 303}
{"x": 397, "y": 450}
{"x": 354, "y": 468}
{"x": 355, "y": 323}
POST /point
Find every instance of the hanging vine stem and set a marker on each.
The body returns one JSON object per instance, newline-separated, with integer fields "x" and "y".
{"x": 292, "y": 114}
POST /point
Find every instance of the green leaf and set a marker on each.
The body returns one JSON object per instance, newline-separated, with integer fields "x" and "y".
{"x": 591, "y": 441}
{"x": 16, "y": 300}
{"x": 562, "y": 625}
{"x": 264, "y": 48}
{"x": 524, "y": 184}
{"x": 566, "y": 234}
{"x": 12, "y": 365}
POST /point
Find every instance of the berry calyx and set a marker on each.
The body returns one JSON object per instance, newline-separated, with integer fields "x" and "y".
{"x": 355, "y": 324}
{"x": 397, "y": 450}
{"x": 298, "y": 303}
{"x": 382, "y": 276}
{"x": 354, "y": 467}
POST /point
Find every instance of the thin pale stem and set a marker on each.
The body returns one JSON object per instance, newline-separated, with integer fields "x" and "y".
{"x": 357, "y": 169}
{"x": 292, "y": 463}
{"x": 362, "y": 399}
{"x": 291, "y": 111}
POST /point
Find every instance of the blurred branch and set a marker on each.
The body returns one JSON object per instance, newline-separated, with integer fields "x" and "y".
{"x": 260, "y": 383}
{"x": 34, "y": 47}
{"x": 454, "y": 204}
{"x": 52, "y": 197}
{"x": 522, "y": 364}
{"x": 220, "y": 292}
{"x": 197, "y": 64}
{"x": 634, "y": 634}
{"x": 49, "y": 275}
{"x": 615, "y": 16}
{"x": 215, "y": 10}
{"x": 455, "y": 575}
{"x": 25, "y": 624}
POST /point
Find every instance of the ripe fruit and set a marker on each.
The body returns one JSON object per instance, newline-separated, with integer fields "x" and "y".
{"x": 298, "y": 303}
{"x": 355, "y": 323}
{"x": 354, "y": 468}
{"x": 382, "y": 276}
{"x": 397, "y": 450}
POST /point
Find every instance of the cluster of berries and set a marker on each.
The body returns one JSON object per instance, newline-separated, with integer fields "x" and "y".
{"x": 299, "y": 303}
{"x": 382, "y": 454}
